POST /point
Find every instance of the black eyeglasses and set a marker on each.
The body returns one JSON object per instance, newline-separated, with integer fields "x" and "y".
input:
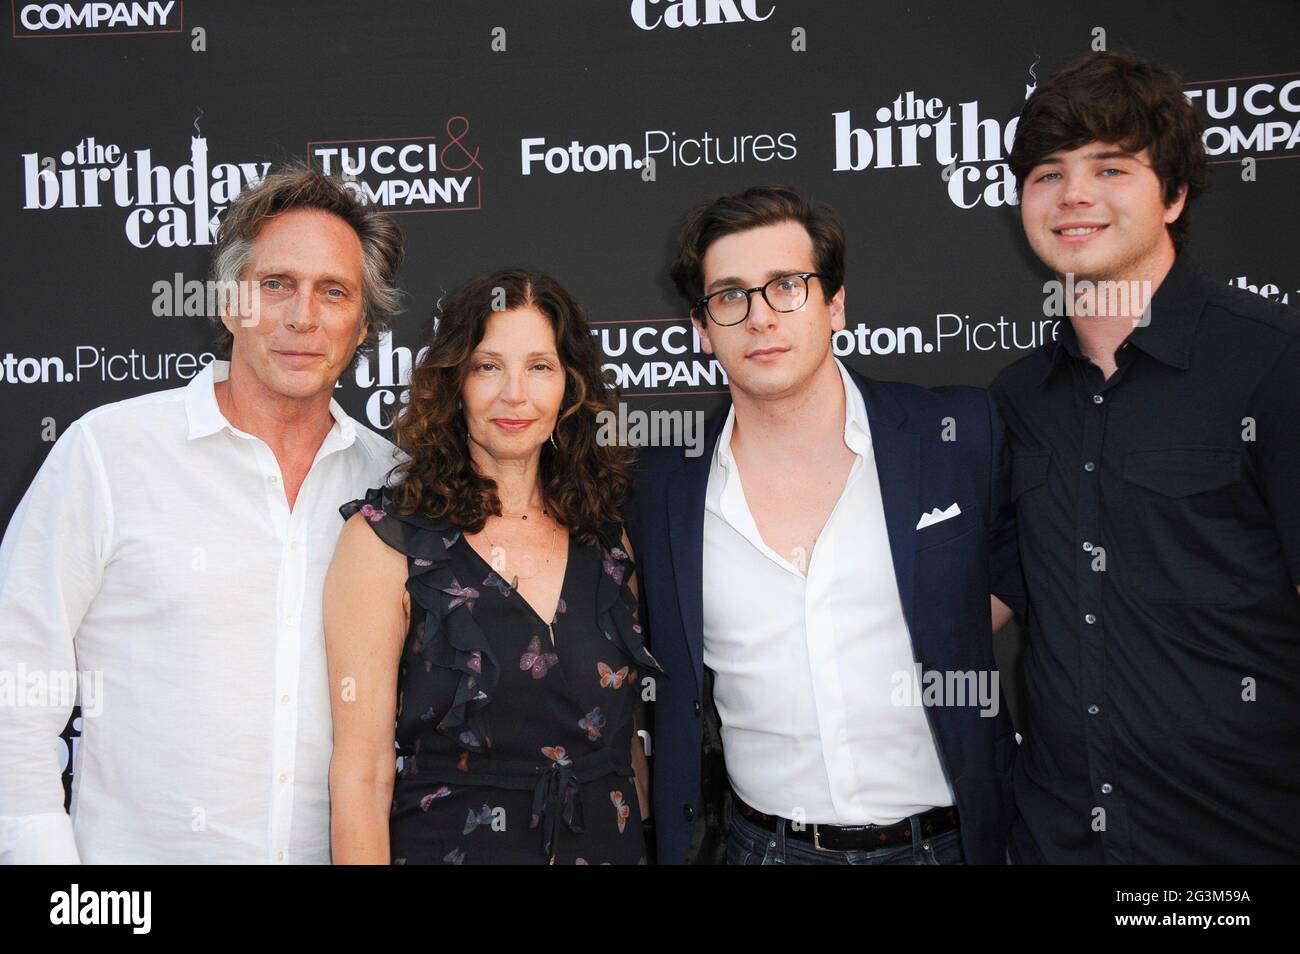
{"x": 730, "y": 306}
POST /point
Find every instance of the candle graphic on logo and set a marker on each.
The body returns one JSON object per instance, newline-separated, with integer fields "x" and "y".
{"x": 199, "y": 160}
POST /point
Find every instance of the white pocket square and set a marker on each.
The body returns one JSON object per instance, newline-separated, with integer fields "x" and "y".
{"x": 937, "y": 516}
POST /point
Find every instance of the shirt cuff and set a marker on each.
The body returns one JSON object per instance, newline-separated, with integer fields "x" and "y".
{"x": 44, "y": 839}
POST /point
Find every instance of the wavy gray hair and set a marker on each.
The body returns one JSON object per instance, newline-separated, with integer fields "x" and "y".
{"x": 300, "y": 187}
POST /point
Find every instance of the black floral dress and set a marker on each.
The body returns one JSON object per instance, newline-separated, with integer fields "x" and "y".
{"x": 515, "y": 750}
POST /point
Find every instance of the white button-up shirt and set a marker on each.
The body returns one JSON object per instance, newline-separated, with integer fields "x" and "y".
{"x": 806, "y": 659}
{"x": 155, "y": 554}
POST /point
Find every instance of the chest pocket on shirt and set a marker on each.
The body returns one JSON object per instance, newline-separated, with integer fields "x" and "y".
{"x": 1182, "y": 503}
{"x": 1182, "y": 471}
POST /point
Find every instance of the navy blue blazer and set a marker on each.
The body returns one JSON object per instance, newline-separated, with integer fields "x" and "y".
{"x": 945, "y": 574}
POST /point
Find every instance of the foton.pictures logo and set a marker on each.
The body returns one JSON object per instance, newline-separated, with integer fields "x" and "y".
{"x": 407, "y": 173}
{"x": 96, "y": 19}
{"x": 656, "y": 147}
{"x": 98, "y": 364}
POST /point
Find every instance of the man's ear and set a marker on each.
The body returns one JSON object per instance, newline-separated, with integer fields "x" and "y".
{"x": 701, "y": 328}
{"x": 241, "y": 308}
{"x": 361, "y": 335}
{"x": 1175, "y": 208}
{"x": 836, "y": 305}
{"x": 231, "y": 322}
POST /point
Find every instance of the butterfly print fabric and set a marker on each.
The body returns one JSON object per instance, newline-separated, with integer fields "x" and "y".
{"x": 515, "y": 749}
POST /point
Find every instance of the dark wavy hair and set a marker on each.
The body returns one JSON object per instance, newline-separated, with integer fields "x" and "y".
{"x": 757, "y": 206}
{"x": 584, "y": 483}
{"x": 1115, "y": 97}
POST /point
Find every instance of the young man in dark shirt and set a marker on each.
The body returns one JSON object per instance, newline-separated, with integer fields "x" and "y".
{"x": 1156, "y": 478}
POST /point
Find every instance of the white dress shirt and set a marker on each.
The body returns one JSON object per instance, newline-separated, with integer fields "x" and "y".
{"x": 805, "y": 659}
{"x": 156, "y": 554}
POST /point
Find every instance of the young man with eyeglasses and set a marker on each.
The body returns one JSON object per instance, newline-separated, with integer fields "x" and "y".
{"x": 829, "y": 557}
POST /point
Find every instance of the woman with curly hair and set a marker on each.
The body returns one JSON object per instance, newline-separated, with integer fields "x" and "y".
{"x": 481, "y": 612}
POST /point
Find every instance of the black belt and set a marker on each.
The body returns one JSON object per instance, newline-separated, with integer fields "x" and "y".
{"x": 853, "y": 837}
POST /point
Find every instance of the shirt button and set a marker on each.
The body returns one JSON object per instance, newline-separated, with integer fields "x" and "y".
{"x": 293, "y": 545}
{"x": 289, "y": 620}
{"x": 1090, "y": 467}
{"x": 279, "y": 856}
{"x": 1090, "y": 619}
{"x": 697, "y": 708}
{"x": 1087, "y": 546}
{"x": 689, "y": 812}
{"x": 273, "y": 479}
{"x": 1106, "y": 788}
{"x": 1097, "y": 399}
{"x": 1093, "y": 710}
{"x": 284, "y": 699}
{"x": 284, "y": 776}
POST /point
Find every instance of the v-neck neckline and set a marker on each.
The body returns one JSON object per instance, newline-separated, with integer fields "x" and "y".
{"x": 514, "y": 590}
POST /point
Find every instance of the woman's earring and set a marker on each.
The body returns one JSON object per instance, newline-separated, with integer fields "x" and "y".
{"x": 553, "y": 444}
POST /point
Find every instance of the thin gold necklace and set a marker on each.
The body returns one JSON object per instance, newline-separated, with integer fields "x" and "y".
{"x": 524, "y": 516}
{"x": 492, "y": 549}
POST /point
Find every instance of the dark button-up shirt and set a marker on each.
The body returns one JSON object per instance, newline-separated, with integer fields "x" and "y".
{"x": 1159, "y": 527}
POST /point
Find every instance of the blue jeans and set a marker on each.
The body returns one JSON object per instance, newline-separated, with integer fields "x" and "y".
{"x": 750, "y": 844}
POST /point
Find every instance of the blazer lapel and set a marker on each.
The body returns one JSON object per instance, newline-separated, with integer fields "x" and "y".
{"x": 686, "y": 488}
{"x": 898, "y": 467}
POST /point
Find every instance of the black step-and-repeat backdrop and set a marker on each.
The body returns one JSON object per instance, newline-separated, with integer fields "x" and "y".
{"x": 571, "y": 136}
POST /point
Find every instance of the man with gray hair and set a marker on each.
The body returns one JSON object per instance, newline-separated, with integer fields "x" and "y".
{"x": 171, "y": 553}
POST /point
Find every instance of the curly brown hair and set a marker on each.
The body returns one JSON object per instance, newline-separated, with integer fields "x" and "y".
{"x": 584, "y": 482}
{"x": 1115, "y": 97}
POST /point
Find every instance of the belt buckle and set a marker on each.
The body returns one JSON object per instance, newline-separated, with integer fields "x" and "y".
{"x": 817, "y": 839}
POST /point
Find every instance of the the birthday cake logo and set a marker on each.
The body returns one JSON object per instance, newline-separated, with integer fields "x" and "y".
{"x": 170, "y": 207}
